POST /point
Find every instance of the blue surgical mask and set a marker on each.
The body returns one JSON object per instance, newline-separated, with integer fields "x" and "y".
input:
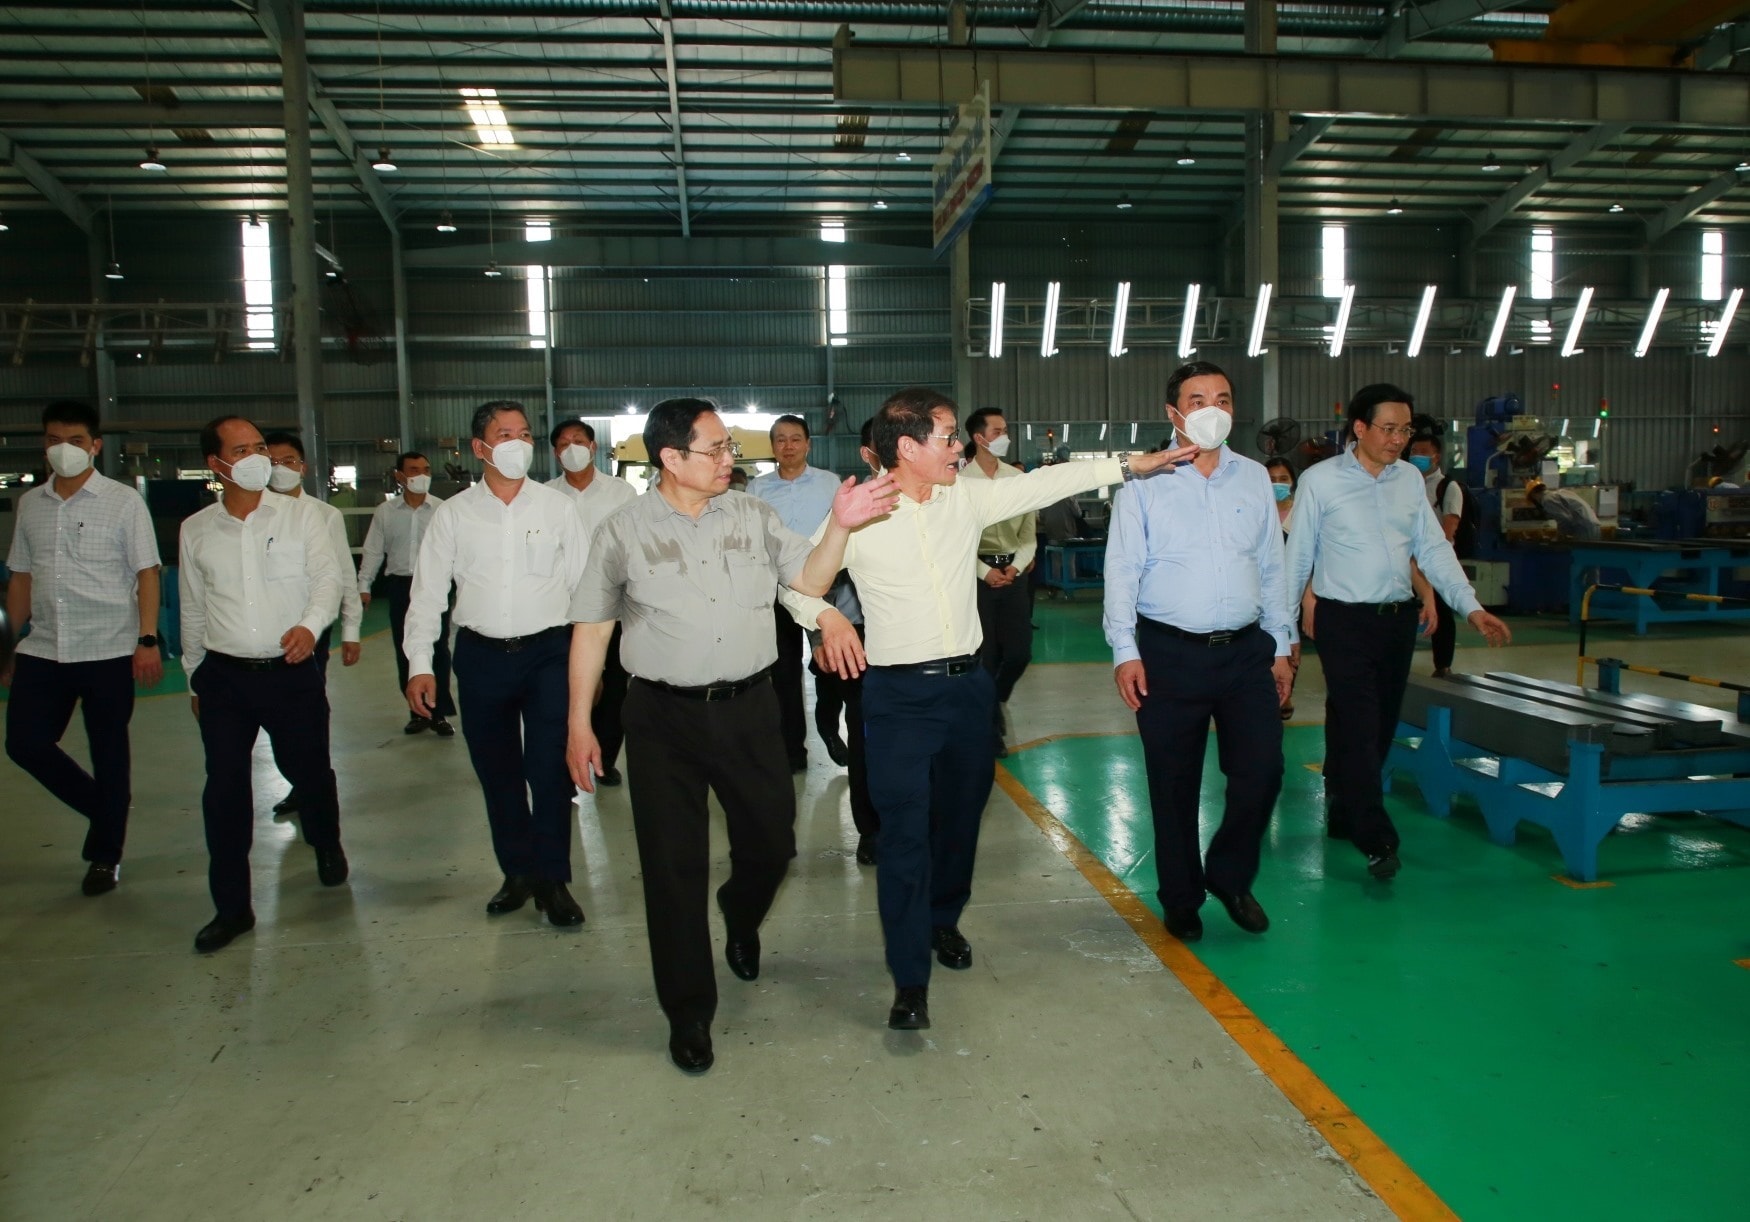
{"x": 1423, "y": 463}
{"x": 1282, "y": 491}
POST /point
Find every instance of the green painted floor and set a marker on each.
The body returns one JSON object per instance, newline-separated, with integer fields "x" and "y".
{"x": 1530, "y": 1050}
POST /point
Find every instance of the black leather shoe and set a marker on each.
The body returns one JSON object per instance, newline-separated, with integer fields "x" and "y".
{"x": 610, "y": 777}
{"x": 689, "y": 1046}
{"x": 1245, "y": 910}
{"x": 911, "y": 1009}
{"x": 1384, "y": 865}
{"x": 442, "y": 728}
{"x": 555, "y": 900}
{"x": 99, "y": 878}
{"x": 1184, "y": 924}
{"x": 836, "y": 750}
{"x": 219, "y": 932}
{"x": 513, "y": 895}
{"x": 951, "y": 949}
{"x": 868, "y": 850}
{"x": 331, "y": 867}
{"x": 799, "y": 763}
{"x": 287, "y": 805}
{"x": 741, "y": 953}
{"x": 416, "y": 725}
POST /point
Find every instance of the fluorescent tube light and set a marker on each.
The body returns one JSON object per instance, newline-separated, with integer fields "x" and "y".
{"x": 1725, "y": 323}
{"x": 1188, "y": 324}
{"x": 1048, "y": 338}
{"x": 1421, "y": 327}
{"x": 1501, "y": 316}
{"x": 1260, "y": 315}
{"x": 1652, "y": 324}
{"x": 1120, "y": 309}
{"x": 999, "y": 293}
{"x": 1343, "y": 308}
{"x": 1571, "y": 344}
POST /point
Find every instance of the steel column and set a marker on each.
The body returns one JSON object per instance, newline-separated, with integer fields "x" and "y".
{"x": 301, "y": 233}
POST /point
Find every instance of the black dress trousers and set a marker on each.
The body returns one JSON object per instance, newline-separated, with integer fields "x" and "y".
{"x": 1365, "y": 650}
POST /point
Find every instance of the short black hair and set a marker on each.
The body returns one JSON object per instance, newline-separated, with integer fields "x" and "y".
{"x": 1365, "y": 404}
{"x": 407, "y": 456}
{"x": 486, "y": 412}
{"x": 772, "y": 432}
{"x": 866, "y": 434}
{"x": 1189, "y": 370}
{"x": 976, "y": 421}
{"x": 670, "y": 425}
{"x": 285, "y": 439}
{"x": 1280, "y": 463}
{"x": 67, "y": 411}
{"x": 1430, "y": 437}
{"x": 210, "y": 443}
{"x": 907, "y": 413}
{"x": 559, "y": 429}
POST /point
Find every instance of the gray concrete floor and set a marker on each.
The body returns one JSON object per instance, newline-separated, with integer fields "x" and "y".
{"x": 385, "y": 1050}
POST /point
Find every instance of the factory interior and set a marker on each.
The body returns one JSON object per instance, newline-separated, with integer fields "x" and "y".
{"x": 357, "y": 222}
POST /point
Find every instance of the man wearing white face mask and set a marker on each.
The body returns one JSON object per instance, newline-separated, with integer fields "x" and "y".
{"x": 596, "y": 495}
{"x": 1005, "y": 553}
{"x": 287, "y": 479}
{"x": 259, "y": 580}
{"x": 391, "y": 544}
{"x": 1201, "y": 626}
{"x": 85, "y": 579}
{"x": 514, "y": 550}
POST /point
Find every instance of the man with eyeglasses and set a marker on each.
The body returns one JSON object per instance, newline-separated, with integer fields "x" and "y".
{"x": 1358, "y": 521}
{"x": 928, "y": 703}
{"x": 693, "y": 574}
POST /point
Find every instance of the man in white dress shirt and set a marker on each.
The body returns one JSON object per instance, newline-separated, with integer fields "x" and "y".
{"x": 85, "y": 579}
{"x": 514, "y": 550}
{"x": 392, "y": 545}
{"x": 259, "y": 583}
{"x": 596, "y": 495}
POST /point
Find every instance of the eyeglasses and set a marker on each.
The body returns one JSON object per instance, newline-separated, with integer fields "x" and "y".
{"x": 720, "y": 451}
{"x": 946, "y": 438}
{"x": 1394, "y": 430}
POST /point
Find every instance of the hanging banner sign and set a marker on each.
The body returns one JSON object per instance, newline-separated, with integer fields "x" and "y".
{"x": 961, "y": 176}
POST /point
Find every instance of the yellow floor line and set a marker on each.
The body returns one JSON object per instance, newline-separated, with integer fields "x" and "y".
{"x": 1387, "y": 1174}
{"x": 1577, "y": 885}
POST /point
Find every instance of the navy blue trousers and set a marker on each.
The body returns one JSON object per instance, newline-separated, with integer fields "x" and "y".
{"x": 936, "y": 762}
{"x": 514, "y": 709}
{"x": 1366, "y": 657}
{"x": 291, "y": 704}
{"x": 399, "y": 591}
{"x": 37, "y": 713}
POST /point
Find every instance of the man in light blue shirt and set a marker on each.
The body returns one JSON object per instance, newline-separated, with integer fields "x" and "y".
{"x": 1201, "y": 626}
{"x": 802, "y": 495}
{"x": 1358, "y": 521}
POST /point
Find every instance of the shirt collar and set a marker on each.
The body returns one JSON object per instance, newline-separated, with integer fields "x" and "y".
{"x": 89, "y": 485}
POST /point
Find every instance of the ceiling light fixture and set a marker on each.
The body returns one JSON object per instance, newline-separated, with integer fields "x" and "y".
{"x": 1725, "y": 323}
{"x": 150, "y": 160}
{"x": 1421, "y": 328}
{"x": 1120, "y": 313}
{"x": 384, "y": 164}
{"x": 3, "y": 225}
{"x": 1260, "y": 318}
{"x": 1394, "y": 208}
{"x": 880, "y": 205}
{"x": 1652, "y": 324}
{"x": 1743, "y": 167}
{"x": 1571, "y": 343}
{"x": 1615, "y": 206}
{"x": 1188, "y": 324}
{"x": 902, "y": 156}
{"x": 1186, "y": 157}
{"x": 1124, "y": 204}
{"x": 1491, "y": 163}
{"x": 1048, "y": 337}
{"x": 1502, "y": 314}
{"x": 999, "y": 297}
{"x": 1342, "y": 327}
{"x": 444, "y": 222}
{"x": 113, "y": 271}
{"x": 494, "y": 271}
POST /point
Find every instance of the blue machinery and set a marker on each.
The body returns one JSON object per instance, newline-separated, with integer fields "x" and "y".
{"x": 1695, "y": 576}
{"x": 1572, "y": 760}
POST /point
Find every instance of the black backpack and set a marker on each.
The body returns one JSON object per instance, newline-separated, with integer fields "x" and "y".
{"x": 1464, "y": 543}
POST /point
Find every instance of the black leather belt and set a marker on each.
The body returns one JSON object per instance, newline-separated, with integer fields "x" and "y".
{"x": 961, "y": 665}
{"x": 235, "y": 663}
{"x": 1228, "y": 637}
{"x": 1000, "y": 560}
{"x": 514, "y": 644}
{"x": 1378, "y": 608}
{"x": 712, "y": 691}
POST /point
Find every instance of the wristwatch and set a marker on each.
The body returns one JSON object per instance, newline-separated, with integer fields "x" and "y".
{"x": 1124, "y": 466}
{"x": 148, "y": 642}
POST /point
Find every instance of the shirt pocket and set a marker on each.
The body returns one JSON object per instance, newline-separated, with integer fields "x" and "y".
{"x": 284, "y": 562}
{"x": 540, "y": 554}
{"x": 1237, "y": 526}
{"x": 660, "y": 584}
{"x": 93, "y": 545}
{"x": 751, "y": 579}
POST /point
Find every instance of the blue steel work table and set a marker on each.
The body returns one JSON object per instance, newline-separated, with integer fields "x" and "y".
{"x": 1687, "y": 566}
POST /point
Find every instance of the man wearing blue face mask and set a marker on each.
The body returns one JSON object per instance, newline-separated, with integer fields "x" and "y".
{"x": 514, "y": 549}
{"x": 1201, "y": 626}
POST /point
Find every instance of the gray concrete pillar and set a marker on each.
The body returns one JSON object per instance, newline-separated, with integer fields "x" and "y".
{"x": 301, "y": 235}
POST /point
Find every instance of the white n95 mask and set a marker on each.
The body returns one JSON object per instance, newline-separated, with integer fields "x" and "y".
{"x": 1208, "y": 427}
{"x": 998, "y": 446}
{"x": 512, "y": 458}
{"x": 419, "y": 485}
{"x": 251, "y": 472}
{"x": 67, "y": 460}
{"x": 576, "y": 457}
{"x": 283, "y": 479}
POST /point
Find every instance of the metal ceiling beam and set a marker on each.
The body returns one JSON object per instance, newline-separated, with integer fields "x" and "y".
{"x": 1726, "y": 44}
{"x": 1675, "y": 214}
{"x": 1228, "y": 84}
{"x": 1413, "y": 20}
{"x": 674, "y": 120}
{"x": 675, "y": 252}
{"x": 1570, "y": 155}
{"x": 273, "y": 17}
{"x": 1052, "y": 13}
{"x": 51, "y": 188}
{"x": 143, "y": 114}
{"x": 1291, "y": 150}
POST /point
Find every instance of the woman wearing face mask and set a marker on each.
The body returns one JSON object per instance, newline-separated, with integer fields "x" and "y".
{"x": 1005, "y": 555}
{"x": 1282, "y": 488}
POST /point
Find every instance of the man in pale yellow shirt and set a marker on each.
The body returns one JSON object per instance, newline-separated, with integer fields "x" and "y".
{"x": 1005, "y": 554}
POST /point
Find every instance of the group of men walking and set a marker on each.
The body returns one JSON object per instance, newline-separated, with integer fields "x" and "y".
{"x": 585, "y": 616}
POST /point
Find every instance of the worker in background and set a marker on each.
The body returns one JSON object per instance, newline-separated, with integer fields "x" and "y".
{"x": 514, "y": 550}
{"x": 1446, "y": 495}
{"x": 287, "y": 479}
{"x": 1201, "y": 627}
{"x": 1359, "y": 519}
{"x": 596, "y": 494}
{"x": 392, "y": 545}
{"x": 1574, "y": 518}
{"x": 926, "y": 697}
{"x": 693, "y": 571}
{"x": 738, "y": 480}
{"x": 803, "y": 497}
{"x": 1005, "y": 555}
{"x": 259, "y": 582}
{"x": 85, "y": 580}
